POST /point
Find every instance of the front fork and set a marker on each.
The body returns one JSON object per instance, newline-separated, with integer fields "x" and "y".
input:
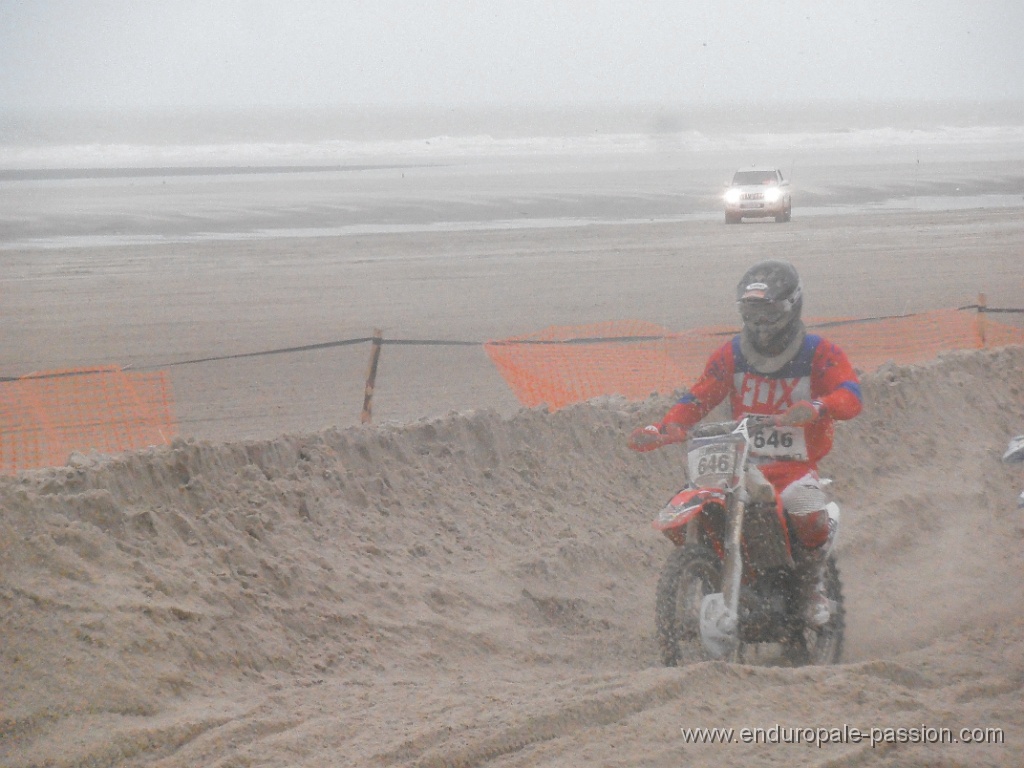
{"x": 719, "y": 612}
{"x": 732, "y": 568}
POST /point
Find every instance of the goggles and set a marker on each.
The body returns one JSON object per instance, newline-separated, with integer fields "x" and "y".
{"x": 760, "y": 311}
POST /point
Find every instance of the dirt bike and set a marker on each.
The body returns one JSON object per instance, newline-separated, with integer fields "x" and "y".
{"x": 729, "y": 590}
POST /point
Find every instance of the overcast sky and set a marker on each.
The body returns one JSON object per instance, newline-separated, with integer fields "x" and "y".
{"x": 129, "y": 54}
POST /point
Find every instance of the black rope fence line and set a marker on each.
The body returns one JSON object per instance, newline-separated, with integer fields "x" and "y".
{"x": 65, "y": 374}
{"x": 980, "y": 308}
{"x": 409, "y": 343}
{"x": 515, "y": 342}
{"x": 282, "y": 351}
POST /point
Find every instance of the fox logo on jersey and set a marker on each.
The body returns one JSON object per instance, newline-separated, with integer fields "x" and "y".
{"x": 759, "y": 394}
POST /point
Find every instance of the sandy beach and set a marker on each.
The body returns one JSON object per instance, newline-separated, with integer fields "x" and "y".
{"x": 467, "y": 583}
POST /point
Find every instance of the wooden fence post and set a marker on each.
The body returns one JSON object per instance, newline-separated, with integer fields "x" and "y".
{"x": 981, "y": 319}
{"x": 371, "y": 376}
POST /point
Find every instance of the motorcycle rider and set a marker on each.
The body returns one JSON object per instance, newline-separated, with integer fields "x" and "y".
{"x": 775, "y": 367}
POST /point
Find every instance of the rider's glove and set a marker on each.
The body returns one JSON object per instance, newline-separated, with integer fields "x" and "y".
{"x": 648, "y": 438}
{"x": 801, "y": 414}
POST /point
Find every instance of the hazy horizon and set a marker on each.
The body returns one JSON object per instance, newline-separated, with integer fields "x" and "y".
{"x": 280, "y": 123}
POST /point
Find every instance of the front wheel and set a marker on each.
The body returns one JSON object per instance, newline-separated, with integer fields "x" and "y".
{"x": 690, "y": 573}
{"x": 822, "y": 645}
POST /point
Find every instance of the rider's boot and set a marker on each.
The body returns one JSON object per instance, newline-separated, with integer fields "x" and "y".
{"x": 811, "y": 560}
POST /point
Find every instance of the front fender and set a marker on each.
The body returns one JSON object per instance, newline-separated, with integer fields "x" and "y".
{"x": 684, "y": 507}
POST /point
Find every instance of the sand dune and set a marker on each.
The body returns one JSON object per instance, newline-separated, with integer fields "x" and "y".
{"x": 478, "y": 589}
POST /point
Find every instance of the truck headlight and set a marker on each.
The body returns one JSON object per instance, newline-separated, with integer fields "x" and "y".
{"x": 772, "y": 195}
{"x": 732, "y": 195}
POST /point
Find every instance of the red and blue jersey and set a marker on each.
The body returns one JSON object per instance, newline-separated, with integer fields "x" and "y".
{"x": 819, "y": 371}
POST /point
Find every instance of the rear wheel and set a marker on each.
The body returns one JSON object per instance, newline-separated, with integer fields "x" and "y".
{"x": 822, "y": 645}
{"x": 690, "y": 573}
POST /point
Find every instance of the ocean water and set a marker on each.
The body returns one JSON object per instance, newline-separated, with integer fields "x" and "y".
{"x": 17, "y": 162}
{"x": 284, "y": 139}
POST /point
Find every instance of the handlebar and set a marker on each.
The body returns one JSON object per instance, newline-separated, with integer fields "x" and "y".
{"x": 717, "y": 428}
{"x": 713, "y": 429}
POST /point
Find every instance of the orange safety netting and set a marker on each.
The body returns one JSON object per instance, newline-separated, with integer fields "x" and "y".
{"x": 562, "y": 365}
{"x": 46, "y": 416}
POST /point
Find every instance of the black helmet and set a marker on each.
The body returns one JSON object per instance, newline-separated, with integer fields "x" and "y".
{"x": 770, "y": 299}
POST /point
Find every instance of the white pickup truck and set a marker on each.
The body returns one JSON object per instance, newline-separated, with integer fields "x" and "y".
{"x": 757, "y": 193}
